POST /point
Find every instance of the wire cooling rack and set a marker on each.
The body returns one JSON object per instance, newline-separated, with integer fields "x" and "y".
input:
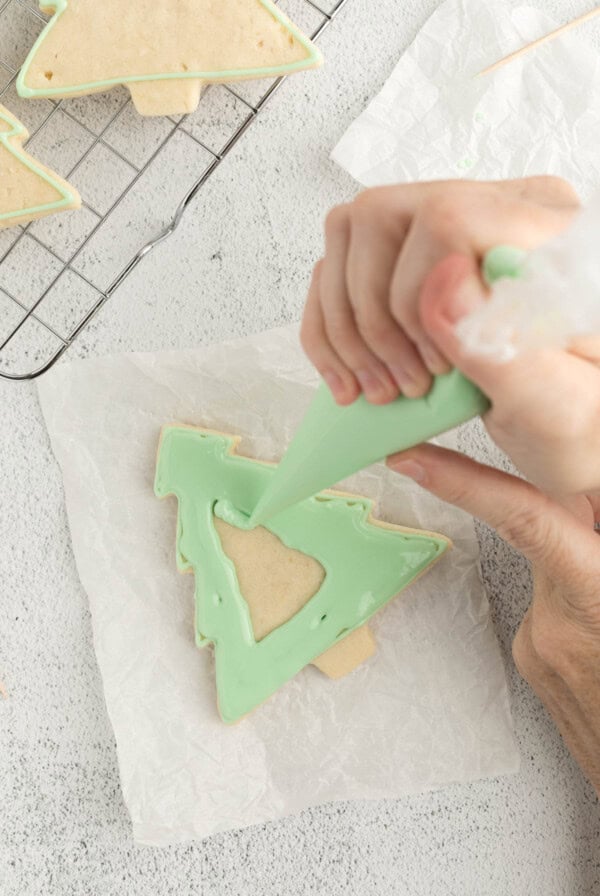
{"x": 136, "y": 177}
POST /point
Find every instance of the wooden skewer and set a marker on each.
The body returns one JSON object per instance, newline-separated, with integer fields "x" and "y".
{"x": 541, "y": 40}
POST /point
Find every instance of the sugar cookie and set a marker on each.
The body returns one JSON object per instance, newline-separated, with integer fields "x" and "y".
{"x": 277, "y": 598}
{"x": 162, "y": 51}
{"x": 28, "y": 189}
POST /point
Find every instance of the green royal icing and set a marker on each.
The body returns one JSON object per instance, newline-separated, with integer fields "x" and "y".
{"x": 313, "y": 57}
{"x": 67, "y": 198}
{"x": 365, "y": 564}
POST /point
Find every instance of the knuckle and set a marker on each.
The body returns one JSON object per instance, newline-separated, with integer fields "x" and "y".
{"x": 522, "y": 654}
{"x": 458, "y": 491}
{"x": 376, "y": 328}
{"x": 442, "y": 214}
{"x": 349, "y": 347}
{"x": 405, "y": 314}
{"x": 336, "y": 220}
{"x": 340, "y": 328}
{"x": 369, "y": 200}
{"x": 318, "y": 353}
{"x": 530, "y": 528}
{"x": 378, "y": 207}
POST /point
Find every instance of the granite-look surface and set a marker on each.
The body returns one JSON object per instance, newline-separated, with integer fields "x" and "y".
{"x": 63, "y": 827}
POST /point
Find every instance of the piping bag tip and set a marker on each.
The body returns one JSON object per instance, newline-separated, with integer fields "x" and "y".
{"x": 255, "y": 520}
{"x": 268, "y": 507}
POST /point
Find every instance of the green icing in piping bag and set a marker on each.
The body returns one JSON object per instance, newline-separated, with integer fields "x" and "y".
{"x": 333, "y": 442}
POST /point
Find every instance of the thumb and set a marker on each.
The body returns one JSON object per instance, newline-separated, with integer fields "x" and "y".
{"x": 453, "y": 289}
{"x": 546, "y": 533}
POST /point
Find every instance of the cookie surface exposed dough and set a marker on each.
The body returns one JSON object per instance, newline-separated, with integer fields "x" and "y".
{"x": 276, "y": 582}
{"x": 162, "y": 51}
{"x": 28, "y": 189}
{"x": 355, "y": 563}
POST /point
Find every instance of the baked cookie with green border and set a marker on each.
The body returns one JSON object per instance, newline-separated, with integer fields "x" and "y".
{"x": 163, "y": 52}
{"x": 28, "y": 189}
{"x": 294, "y": 592}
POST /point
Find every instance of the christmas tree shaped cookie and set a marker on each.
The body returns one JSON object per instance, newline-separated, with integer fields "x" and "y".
{"x": 28, "y": 189}
{"x": 162, "y": 50}
{"x": 275, "y": 599}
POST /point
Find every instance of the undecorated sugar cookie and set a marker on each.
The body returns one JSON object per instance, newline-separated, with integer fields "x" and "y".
{"x": 162, "y": 50}
{"x": 28, "y": 189}
{"x": 277, "y": 598}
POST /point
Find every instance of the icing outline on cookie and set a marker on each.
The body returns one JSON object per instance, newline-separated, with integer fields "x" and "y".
{"x": 366, "y": 562}
{"x": 313, "y": 58}
{"x": 69, "y": 197}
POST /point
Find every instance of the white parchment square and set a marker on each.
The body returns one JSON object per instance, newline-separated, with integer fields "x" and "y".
{"x": 433, "y": 119}
{"x": 429, "y": 709}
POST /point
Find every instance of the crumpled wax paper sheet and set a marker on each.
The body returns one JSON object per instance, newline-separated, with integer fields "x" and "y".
{"x": 429, "y": 709}
{"x": 539, "y": 114}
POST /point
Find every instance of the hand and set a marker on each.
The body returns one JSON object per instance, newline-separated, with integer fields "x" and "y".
{"x": 362, "y": 328}
{"x": 545, "y": 404}
{"x": 557, "y": 648}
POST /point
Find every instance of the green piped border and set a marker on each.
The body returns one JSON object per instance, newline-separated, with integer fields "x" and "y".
{"x": 59, "y": 6}
{"x": 249, "y": 671}
{"x": 69, "y": 198}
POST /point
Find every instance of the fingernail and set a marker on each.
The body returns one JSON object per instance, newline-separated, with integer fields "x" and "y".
{"x": 402, "y": 377}
{"x": 334, "y": 382}
{"x": 371, "y": 385}
{"x": 411, "y": 469}
{"x": 434, "y": 361}
{"x": 409, "y": 386}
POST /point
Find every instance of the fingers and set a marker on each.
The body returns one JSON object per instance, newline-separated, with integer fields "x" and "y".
{"x": 338, "y": 316}
{"x": 313, "y": 337}
{"x": 544, "y": 531}
{"x": 469, "y": 220}
{"x": 433, "y": 230}
{"x": 519, "y": 389}
{"x": 451, "y": 290}
{"x": 364, "y": 327}
{"x": 372, "y": 255}
{"x": 348, "y": 330}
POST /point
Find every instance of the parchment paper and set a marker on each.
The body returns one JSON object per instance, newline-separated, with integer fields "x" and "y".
{"x": 431, "y": 708}
{"x": 539, "y": 114}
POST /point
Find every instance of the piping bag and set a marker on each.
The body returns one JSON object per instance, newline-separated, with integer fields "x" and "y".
{"x": 538, "y": 300}
{"x": 333, "y": 442}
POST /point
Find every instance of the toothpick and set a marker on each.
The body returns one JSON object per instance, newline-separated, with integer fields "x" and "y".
{"x": 541, "y": 40}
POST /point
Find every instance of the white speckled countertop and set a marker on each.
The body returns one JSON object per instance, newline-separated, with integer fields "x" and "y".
{"x": 63, "y": 826}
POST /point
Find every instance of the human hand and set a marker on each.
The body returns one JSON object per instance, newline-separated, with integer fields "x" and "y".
{"x": 545, "y": 404}
{"x": 362, "y": 326}
{"x": 557, "y": 648}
